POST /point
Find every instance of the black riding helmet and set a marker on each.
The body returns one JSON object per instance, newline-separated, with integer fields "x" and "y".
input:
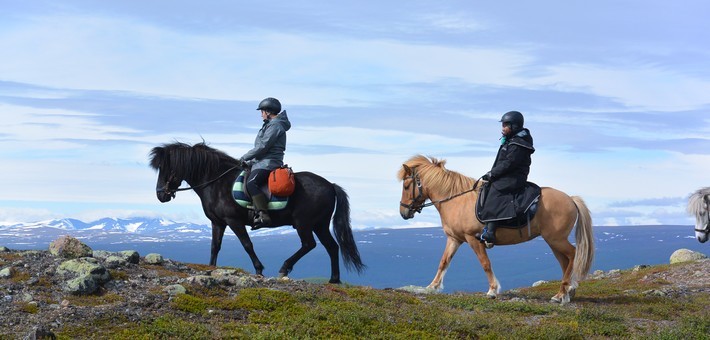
{"x": 515, "y": 119}
{"x": 270, "y": 105}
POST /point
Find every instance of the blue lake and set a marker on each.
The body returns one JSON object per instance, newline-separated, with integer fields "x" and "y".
{"x": 401, "y": 257}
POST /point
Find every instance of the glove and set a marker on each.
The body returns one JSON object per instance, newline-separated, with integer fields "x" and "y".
{"x": 242, "y": 163}
{"x": 487, "y": 176}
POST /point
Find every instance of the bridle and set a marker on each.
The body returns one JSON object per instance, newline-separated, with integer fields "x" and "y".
{"x": 172, "y": 192}
{"x": 706, "y": 230}
{"x": 418, "y": 191}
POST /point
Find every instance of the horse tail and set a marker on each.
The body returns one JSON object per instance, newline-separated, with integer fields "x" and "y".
{"x": 344, "y": 233}
{"x": 584, "y": 254}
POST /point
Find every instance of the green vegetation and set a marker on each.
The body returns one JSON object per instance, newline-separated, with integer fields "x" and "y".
{"x": 635, "y": 304}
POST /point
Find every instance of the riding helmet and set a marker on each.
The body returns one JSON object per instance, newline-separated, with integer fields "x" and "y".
{"x": 270, "y": 105}
{"x": 514, "y": 118}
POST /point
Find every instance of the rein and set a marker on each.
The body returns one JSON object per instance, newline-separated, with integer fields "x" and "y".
{"x": 418, "y": 208}
{"x": 173, "y": 192}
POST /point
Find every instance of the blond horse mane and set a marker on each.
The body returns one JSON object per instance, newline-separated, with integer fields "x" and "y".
{"x": 436, "y": 176}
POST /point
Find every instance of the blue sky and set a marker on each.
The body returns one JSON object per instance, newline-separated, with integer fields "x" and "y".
{"x": 614, "y": 92}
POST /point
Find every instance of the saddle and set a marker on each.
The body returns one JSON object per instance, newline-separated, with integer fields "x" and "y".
{"x": 243, "y": 198}
{"x": 513, "y": 211}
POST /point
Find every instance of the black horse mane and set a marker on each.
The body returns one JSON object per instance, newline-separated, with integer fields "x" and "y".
{"x": 186, "y": 161}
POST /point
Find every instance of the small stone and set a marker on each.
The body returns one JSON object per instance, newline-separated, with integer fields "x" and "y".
{"x": 173, "y": 290}
{"x": 538, "y": 283}
{"x": 6, "y": 273}
{"x": 70, "y": 248}
{"x": 154, "y": 258}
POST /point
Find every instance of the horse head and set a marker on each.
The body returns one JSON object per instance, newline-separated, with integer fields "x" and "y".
{"x": 168, "y": 177}
{"x": 412, "y": 192}
{"x": 699, "y": 206}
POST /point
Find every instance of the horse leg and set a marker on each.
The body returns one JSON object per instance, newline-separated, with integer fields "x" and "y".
{"x": 327, "y": 240}
{"x": 452, "y": 245}
{"x": 241, "y": 233}
{"x": 564, "y": 252}
{"x": 217, "y": 234}
{"x": 482, "y": 255}
{"x": 308, "y": 242}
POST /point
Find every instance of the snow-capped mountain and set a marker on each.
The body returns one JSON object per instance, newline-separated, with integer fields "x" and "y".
{"x": 114, "y": 230}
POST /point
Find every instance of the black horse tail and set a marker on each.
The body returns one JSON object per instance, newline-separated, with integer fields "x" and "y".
{"x": 344, "y": 233}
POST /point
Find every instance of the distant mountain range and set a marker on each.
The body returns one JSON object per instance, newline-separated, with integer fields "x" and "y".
{"x": 114, "y": 230}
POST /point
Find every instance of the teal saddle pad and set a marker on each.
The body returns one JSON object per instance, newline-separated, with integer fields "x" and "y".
{"x": 244, "y": 200}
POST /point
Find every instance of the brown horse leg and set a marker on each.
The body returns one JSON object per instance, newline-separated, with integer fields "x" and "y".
{"x": 480, "y": 250}
{"x": 452, "y": 245}
{"x": 564, "y": 252}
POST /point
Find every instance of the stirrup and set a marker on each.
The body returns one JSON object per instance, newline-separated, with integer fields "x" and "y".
{"x": 260, "y": 221}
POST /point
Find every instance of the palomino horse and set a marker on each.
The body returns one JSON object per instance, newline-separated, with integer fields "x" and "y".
{"x": 699, "y": 206}
{"x": 454, "y": 196}
{"x": 211, "y": 174}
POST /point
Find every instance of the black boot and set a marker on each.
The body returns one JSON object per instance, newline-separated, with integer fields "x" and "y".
{"x": 488, "y": 237}
{"x": 261, "y": 216}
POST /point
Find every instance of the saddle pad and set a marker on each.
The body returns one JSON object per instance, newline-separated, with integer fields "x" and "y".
{"x": 244, "y": 200}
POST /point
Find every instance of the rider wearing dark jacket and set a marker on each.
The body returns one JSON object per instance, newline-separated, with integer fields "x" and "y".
{"x": 267, "y": 155}
{"x": 508, "y": 174}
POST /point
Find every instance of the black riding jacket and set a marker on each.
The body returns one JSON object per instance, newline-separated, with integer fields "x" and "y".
{"x": 512, "y": 165}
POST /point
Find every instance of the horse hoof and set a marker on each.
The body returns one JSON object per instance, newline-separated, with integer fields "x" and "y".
{"x": 284, "y": 278}
{"x": 337, "y": 282}
{"x": 491, "y": 296}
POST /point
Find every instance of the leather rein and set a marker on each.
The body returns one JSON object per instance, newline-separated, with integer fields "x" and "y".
{"x": 417, "y": 190}
{"x": 173, "y": 192}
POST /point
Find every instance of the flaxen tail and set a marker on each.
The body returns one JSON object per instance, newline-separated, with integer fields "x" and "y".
{"x": 584, "y": 256}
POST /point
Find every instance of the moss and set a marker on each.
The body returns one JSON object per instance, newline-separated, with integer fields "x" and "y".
{"x": 190, "y": 304}
{"x": 166, "y": 327}
{"x": 26, "y": 307}
{"x": 118, "y": 275}
{"x": 94, "y": 300}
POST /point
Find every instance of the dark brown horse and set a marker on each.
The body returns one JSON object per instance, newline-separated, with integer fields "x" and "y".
{"x": 454, "y": 196}
{"x": 211, "y": 174}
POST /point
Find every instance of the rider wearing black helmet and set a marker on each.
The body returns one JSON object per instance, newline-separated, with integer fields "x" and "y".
{"x": 267, "y": 155}
{"x": 508, "y": 174}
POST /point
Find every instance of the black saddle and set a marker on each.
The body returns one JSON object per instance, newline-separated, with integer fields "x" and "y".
{"x": 508, "y": 210}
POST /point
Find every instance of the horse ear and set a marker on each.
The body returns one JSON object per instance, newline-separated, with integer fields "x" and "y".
{"x": 407, "y": 169}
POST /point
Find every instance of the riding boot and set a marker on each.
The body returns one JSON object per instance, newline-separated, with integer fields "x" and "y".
{"x": 261, "y": 216}
{"x": 488, "y": 237}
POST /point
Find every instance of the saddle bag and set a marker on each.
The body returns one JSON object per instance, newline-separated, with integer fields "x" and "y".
{"x": 282, "y": 182}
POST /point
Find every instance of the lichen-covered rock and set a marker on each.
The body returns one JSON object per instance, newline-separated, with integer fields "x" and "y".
{"x": 114, "y": 261}
{"x": 102, "y": 254}
{"x": 154, "y": 258}
{"x": 4, "y": 249}
{"x": 131, "y": 256}
{"x": 6, "y": 273}
{"x": 202, "y": 280}
{"x": 69, "y": 248}
{"x": 173, "y": 290}
{"x": 539, "y": 283}
{"x": 81, "y": 285}
{"x": 84, "y": 266}
{"x": 686, "y": 255}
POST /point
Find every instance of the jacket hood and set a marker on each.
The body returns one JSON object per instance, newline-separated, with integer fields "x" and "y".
{"x": 282, "y": 119}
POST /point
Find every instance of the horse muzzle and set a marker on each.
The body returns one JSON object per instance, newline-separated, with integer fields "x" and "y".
{"x": 164, "y": 196}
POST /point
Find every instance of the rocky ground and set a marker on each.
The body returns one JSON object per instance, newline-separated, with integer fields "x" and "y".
{"x": 35, "y": 298}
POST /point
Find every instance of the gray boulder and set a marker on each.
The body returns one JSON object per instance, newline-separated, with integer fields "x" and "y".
{"x": 69, "y": 248}
{"x": 83, "y": 275}
{"x": 154, "y": 258}
{"x": 686, "y": 255}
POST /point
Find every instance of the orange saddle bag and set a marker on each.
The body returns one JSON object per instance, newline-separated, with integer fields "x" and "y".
{"x": 282, "y": 182}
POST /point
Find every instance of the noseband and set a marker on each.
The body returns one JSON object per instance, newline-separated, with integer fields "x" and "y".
{"x": 417, "y": 189}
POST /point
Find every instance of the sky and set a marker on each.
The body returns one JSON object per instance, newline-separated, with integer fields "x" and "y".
{"x": 615, "y": 94}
